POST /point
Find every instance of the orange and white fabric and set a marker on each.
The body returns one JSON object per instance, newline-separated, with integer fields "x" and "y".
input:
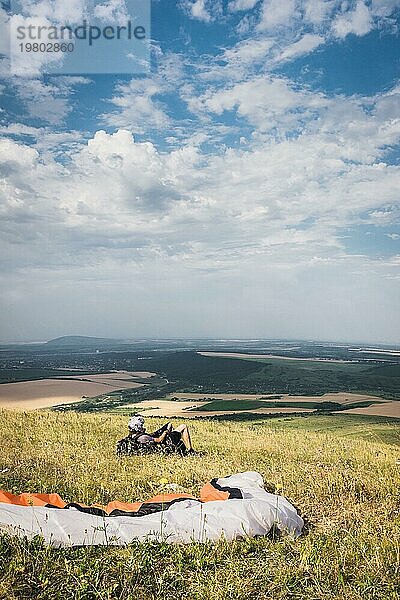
{"x": 230, "y": 508}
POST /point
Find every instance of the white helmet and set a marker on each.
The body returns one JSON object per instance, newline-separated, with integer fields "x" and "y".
{"x": 136, "y": 424}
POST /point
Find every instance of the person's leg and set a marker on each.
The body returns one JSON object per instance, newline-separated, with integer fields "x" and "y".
{"x": 167, "y": 427}
{"x": 185, "y": 436}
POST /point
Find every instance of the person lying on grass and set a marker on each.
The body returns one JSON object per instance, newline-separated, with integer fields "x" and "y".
{"x": 166, "y": 439}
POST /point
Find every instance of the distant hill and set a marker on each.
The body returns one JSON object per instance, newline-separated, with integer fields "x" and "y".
{"x": 80, "y": 341}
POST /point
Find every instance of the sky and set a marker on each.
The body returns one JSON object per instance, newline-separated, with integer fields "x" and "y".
{"x": 246, "y": 187}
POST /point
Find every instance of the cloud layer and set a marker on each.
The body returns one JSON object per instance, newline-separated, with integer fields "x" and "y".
{"x": 231, "y": 215}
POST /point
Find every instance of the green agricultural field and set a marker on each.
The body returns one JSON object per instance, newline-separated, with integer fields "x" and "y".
{"x": 227, "y": 405}
{"x": 192, "y": 372}
{"x": 341, "y": 472}
{"x": 309, "y": 364}
{"x": 33, "y": 374}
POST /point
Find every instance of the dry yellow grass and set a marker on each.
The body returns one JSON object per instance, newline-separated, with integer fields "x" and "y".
{"x": 341, "y": 472}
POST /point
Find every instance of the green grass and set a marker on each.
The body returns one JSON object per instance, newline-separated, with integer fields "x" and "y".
{"x": 226, "y": 405}
{"x": 341, "y": 471}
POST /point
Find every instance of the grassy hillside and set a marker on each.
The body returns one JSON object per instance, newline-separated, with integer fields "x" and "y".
{"x": 341, "y": 472}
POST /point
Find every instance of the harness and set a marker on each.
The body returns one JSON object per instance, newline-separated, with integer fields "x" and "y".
{"x": 130, "y": 445}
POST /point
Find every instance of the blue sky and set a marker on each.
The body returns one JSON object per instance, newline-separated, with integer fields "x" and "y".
{"x": 247, "y": 187}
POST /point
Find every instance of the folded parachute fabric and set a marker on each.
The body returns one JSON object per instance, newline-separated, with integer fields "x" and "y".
{"x": 230, "y": 508}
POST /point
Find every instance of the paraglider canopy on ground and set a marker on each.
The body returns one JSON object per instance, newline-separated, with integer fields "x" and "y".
{"x": 230, "y": 508}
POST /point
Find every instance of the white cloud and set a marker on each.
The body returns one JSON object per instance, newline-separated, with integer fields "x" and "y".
{"x": 30, "y": 64}
{"x": 128, "y": 223}
{"x": 306, "y": 44}
{"x": 121, "y": 198}
{"x": 44, "y": 102}
{"x": 238, "y": 5}
{"x": 327, "y": 18}
{"x": 383, "y": 217}
{"x": 18, "y": 154}
{"x": 138, "y": 104}
{"x": 198, "y": 9}
{"x": 316, "y": 11}
{"x": 276, "y": 13}
{"x": 384, "y": 8}
{"x": 236, "y": 63}
{"x": 112, "y": 11}
{"x": 274, "y": 105}
{"x": 57, "y": 11}
{"x": 48, "y": 142}
{"x": 247, "y": 52}
{"x": 48, "y": 102}
{"x": 41, "y": 15}
{"x": 124, "y": 220}
{"x": 266, "y": 102}
{"x": 136, "y": 108}
{"x": 4, "y": 33}
{"x": 20, "y": 130}
{"x": 357, "y": 21}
